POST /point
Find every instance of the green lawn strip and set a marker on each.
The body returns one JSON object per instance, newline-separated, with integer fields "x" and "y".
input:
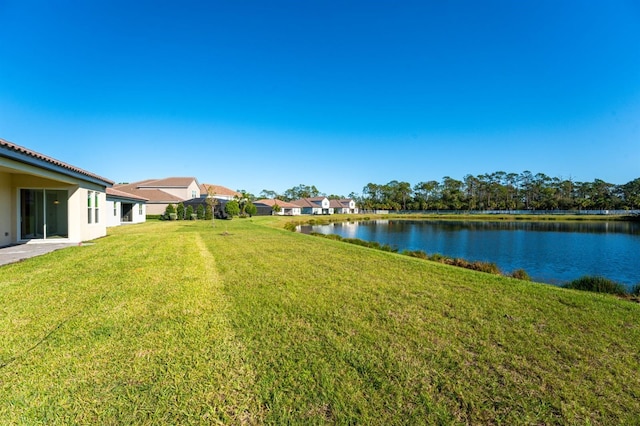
{"x": 140, "y": 336}
{"x": 243, "y": 322}
{"x": 343, "y": 333}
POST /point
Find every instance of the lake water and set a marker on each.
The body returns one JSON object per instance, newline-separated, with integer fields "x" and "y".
{"x": 550, "y": 252}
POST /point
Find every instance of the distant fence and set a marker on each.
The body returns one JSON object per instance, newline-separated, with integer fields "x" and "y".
{"x": 513, "y": 212}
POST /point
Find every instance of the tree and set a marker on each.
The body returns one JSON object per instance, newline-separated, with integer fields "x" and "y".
{"x": 267, "y": 193}
{"x": 301, "y": 191}
{"x": 169, "y": 211}
{"x": 276, "y": 208}
{"x": 200, "y": 212}
{"x": 180, "y": 211}
{"x": 232, "y": 208}
{"x": 189, "y": 212}
{"x": 250, "y": 209}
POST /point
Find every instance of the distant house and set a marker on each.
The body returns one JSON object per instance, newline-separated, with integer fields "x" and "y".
{"x": 45, "y": 200}
{"x": 286, "y": 209}
{"x": 123, "y": 207}
{"x": 218, "y": 191}
{"x": 344, "y": 206}
{"x": 159, "y": 193}
{"x": 315, "y": 205}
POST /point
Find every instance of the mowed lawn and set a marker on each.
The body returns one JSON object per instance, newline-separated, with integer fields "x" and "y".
{"x": 246, "y": 323}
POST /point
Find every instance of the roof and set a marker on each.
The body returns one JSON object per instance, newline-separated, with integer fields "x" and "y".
{"x": 170, "y": 182}
{"x": 25, "y": 155}
{"x": 341, "y": 203}
{"x": 271, "y": 203}
{"x": 205, "y": 188}
{"x": 112, "y": 192}
{"x": 314, "y": 202}
{"x": 151, "y": 195}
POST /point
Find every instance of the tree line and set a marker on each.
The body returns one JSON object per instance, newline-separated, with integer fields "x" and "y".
{"x": 501, "y": 191}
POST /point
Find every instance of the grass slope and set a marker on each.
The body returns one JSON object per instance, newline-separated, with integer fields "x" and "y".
{"x": 184, "y": 323}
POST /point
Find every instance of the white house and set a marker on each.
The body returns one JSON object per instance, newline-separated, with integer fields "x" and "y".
{"x": 45, "y": 200}
{"x": 123, "y": 208}
{"x": 344, "y": 206}
{"x": 315, "y": 205}
{"x": 285, "y": 209}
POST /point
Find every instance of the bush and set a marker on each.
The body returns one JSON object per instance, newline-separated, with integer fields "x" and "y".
{"x": 520, "y": 274}
{"x": 189, "y": 212}
{"x": 635, "y": 290}
{"x": 290, "y": 226}
{"x": 180, "y": 211}
{"x": 232, "y": 208}
{"x": 208, "y": 212}
{"x": 200, "y": 211}
{"x": 597, "y": 284}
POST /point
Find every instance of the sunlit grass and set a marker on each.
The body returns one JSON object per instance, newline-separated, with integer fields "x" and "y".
{"x": 244, "y": 322}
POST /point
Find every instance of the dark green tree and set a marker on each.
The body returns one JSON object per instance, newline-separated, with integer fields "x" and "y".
{"x": 232, "y": 208}
{"x": 180, "y": 211}
{"x": 200, "y": 211}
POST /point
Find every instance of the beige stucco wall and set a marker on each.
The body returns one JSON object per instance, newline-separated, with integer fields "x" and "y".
{"x": 15, "y": 175}
{"x": 184, "y": 193}
{"x": 7, "y": 233}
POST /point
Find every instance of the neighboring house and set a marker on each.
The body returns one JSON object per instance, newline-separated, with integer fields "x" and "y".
{"x": 218, "y": 191}
{"x": 162, "y": 192}
{"x": 45, "y": 200}
{"x": 315, "y": 205}
{"x": 286, "y": 209}
{"x": 123, "y": 208}
{"x": 344, "y": 206}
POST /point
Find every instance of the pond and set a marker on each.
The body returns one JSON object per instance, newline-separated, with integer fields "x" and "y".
{"x": 550, "y": 252}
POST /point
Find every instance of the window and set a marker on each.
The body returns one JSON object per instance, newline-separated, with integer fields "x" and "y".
{"x": 93, "y": 215}
{"x": 140, "y": 212}
{"x": 115, "y": 208}
{"x": 194, "y": 194}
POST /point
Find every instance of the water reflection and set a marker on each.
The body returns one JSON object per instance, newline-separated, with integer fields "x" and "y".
{"x": 552, "y": 252}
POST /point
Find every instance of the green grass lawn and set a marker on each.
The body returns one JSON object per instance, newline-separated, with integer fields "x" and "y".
{"x": 246, "y": 323}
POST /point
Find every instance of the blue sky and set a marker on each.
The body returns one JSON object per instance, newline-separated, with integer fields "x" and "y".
{"x": 268, "y": 95}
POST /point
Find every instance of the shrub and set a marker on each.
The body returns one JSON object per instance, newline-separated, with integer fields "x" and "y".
{"x": 200, "y": 211}
{"x": 291, "y": 226}
{"x": 208, "y": 212}
{"x": 232, "y": 208}
{"x": 250, "y": 209}
{"x": 416, "y": 253}
{"x": 189, "y": 213}
{"x": 520, "y": 274}
{"x": 635, "y": 290}
{"x": 180, "y": 211}
{"x": 169, "y": 211}
{"x": 597, "y": 284}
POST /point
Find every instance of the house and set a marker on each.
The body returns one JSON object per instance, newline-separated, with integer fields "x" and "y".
{"x": 344, "y": 206}
{"x": 46, "y": 200}
{"x": 123, "y": 208}
{"x": 159, "y": 193}
{"x": 315, "y": 205}
{"x": 218, "y": 191}
{"x": 285, "y": 208}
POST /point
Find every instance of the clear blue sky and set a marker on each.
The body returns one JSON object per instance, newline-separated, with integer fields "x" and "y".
{"x": 271, "y": 94}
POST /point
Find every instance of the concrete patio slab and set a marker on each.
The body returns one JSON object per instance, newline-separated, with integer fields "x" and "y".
{"x": 20, "y": 252}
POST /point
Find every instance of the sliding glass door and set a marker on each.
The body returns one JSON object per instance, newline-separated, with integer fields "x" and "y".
{"x": 43, "y": 214}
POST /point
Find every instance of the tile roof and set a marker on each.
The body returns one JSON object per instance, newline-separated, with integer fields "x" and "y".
{"x": 112, "y": 192}
{"x": 271, "y": 203}
{"x": 342, "y": 203}
{"x": 218, "y": 190}
{"x": 170, "y": 182}
{"x": 30, "y": 154}
{"x": 314, "y": 202}
{"x": 152, "y": 195}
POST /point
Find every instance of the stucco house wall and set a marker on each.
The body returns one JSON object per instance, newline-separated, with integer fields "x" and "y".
{"x": 63, "y": 190}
